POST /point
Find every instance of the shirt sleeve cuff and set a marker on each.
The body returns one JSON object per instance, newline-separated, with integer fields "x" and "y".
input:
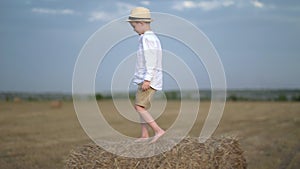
{"x": 148, "y": 77}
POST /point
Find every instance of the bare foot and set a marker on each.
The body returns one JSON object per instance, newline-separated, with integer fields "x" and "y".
{"x": 142, "y": 139}
{"x": 157, "y": 136}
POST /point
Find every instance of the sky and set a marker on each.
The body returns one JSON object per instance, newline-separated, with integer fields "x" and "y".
{"x": 258, "y": 41}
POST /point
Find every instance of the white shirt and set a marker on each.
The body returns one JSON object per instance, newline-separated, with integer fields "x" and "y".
{"x": 149, "y": 61}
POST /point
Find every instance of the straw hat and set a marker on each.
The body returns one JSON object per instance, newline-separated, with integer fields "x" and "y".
{"x": 140, "y": 14}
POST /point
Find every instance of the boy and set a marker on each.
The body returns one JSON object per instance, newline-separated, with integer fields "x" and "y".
{"x": 148, "y": 73}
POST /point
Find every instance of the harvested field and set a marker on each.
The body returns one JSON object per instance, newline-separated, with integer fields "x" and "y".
{"x": 34, "y": 135}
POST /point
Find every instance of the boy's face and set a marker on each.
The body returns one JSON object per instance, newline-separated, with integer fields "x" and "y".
{"x": 137, "y": 27}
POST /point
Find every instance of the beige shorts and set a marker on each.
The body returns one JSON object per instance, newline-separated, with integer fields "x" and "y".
{"x": 143, "y": 98}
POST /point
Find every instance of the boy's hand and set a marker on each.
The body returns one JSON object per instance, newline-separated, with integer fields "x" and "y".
{"x": 146, "y": 85}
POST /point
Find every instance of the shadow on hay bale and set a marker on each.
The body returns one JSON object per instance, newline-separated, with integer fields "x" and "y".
{"x": 215, "y": 153}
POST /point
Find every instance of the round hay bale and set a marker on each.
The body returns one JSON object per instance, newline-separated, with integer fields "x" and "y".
{"x": 215, "y": 153}
{"x": 56, "y": 104}
{"x": 17, "y": 100}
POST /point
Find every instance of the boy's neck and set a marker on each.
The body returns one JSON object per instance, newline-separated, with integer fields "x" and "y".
{"x": 147, "y": 28}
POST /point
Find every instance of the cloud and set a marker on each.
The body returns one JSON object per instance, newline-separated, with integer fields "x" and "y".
{"x": 257, "y": 4}
{"x": 204, "y": 5}
{"x": 53, "y": 11}
{"x": 209, "y": 5}
{"x": 103, "y": 16}
{"x": 146, "y": 3}
{"x": 121, "y": 9}
{"x": 183, "y": 5}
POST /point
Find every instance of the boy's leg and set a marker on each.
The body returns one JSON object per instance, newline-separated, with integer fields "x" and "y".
{"x": 142, "y": 103}
{"x": 144, "y": 126}
{"x": 145, "y": 133}
{"x": 150, "y": 121}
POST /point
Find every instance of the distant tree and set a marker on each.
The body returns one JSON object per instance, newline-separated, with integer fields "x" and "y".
{"x": 296, "y": 98}
{"x": 232, "y": 97}
{"x": 30, "y": 98}
{"x": 172, "y": 95}
{"x": 99, "y": 96}
{"x": 7, "y": 98}
{"x": 281, "y": 97}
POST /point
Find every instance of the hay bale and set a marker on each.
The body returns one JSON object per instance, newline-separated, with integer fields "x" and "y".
{"x": 17, "y": 100}
{"x": 56, "y": 104}
{"x": 215, "y": 153}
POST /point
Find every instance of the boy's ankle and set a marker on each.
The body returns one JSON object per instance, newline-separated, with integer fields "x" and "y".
{"x": 145, "y": 136}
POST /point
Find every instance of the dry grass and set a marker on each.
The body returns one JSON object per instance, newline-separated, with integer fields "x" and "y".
{"x": 34, "y": 135}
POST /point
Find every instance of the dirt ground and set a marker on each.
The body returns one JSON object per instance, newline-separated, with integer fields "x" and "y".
{"x": 34, "y": 135}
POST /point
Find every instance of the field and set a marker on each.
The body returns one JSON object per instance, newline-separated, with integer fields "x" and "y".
{"x": 34, "y": 135}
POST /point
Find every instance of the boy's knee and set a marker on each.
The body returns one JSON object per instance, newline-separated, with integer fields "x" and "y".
{"x": 139, "y": 108}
